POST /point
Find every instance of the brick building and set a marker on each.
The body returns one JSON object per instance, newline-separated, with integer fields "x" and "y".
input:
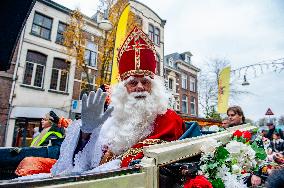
{"x": 181, "y": 80}
{"x": 6, "y": 82}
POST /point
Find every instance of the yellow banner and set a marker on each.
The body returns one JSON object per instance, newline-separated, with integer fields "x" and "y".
{"x": 224, "y": 90}
{"x": 119, "y": 39}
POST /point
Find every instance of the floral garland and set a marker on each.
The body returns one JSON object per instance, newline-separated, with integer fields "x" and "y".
{"x": 227, "y": 166}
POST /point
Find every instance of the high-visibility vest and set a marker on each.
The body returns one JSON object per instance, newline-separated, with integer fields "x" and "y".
{"x": 45, "y": 137}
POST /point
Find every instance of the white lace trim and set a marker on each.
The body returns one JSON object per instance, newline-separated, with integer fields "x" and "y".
{"x": 111, "y": 165}
{"x": 83, "y": 159}
{"x": 34, "y": 177}
{"x": 64, "y": 164}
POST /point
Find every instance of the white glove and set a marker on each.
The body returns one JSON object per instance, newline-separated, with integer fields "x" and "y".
{"x": 93, "y": 115}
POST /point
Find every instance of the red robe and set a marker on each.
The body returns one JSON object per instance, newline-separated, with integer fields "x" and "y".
{"x": 167, "y": 127}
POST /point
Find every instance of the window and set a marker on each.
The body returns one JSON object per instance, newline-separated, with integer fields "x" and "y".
{"x": 42, "y": 26}
{"x": 91, "y": 54}
{"x": 177, "y": 104}
{"x": 34, "y": 71}
{"x": 187, "y": 58}
{"x": 192, "y": 106}
{"x": 61, "y": 28}
{"x": 170, "y": 84}
{"x": 86, "y": 85}
{"x": 184, "y": 104}
{"x": 158, "y": 64}
{"x": 171, "y": 62}
{"x": 157, "y": 36}
{"x": 59, "y": 75}
{"x": 192, "y": 84}
{"x": 184, "y": 81}
{"x": 151, "y": 32}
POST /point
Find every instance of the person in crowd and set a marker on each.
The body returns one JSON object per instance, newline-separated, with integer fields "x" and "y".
{"x": 225, "y": 123}
{"x": 271, "y": 130}
{"x": 235, "y": 115}
{"x": 52, "y": 134}
{"x": 262, "y": 133}
{"x": 277, "y": 144}
{"x": 51, "y": 130}
{"x": 276, "y": 179}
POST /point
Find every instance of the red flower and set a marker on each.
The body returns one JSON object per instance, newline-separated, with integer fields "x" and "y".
{"x": 198, "y": 182}
{"x": 247, "y": 135}
{"x": 237, "y": 133}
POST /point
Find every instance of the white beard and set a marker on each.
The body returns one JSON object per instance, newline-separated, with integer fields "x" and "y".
{"x": 132, "y": 119}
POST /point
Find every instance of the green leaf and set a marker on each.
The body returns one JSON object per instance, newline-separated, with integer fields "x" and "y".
{"x": 217, "y": 183}
{"x": 259, "y": 152}
{"x": 221, "y": 154}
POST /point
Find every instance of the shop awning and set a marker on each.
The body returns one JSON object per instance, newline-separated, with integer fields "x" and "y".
{"x": 35, "y": 112}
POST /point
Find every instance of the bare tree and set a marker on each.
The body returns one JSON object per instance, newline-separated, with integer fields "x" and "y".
{"x": 208, "y": 86}
{"x": 262, "y": 122}
{"x": 207, "y": 94}
{"x": 281, "y": 120}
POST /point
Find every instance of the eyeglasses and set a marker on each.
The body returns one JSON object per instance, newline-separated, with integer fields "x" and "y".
{"x": 135, "y": 81}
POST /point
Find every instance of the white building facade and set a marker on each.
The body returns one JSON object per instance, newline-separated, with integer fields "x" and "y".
{"x": 44, "y": 73}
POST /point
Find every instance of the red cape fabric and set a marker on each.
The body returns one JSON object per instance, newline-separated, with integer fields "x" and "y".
{"x": 167, "y": 127}
{"x": 34, "y": 165}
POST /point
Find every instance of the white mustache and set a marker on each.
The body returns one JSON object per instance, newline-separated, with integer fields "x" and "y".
{"x": 139, "y": 94}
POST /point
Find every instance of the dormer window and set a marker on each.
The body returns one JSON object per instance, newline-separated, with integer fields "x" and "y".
{"x": 186, "y": 58}
{"x": 171, "y": 62}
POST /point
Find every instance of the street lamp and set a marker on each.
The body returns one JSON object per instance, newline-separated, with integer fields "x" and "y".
{"x": 105, "y": 24}
{"x": 245, "y": 82}
{"x": 277, "y": 65}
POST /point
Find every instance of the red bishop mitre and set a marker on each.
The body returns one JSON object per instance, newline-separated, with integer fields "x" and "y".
{"x": 137, "y": 56}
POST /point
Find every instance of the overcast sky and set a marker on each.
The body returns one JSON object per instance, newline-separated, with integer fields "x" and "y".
{"x": 243, "y": 32}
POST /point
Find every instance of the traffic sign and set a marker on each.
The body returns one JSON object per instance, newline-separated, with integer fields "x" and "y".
{"x": 269, "y": 112}
{"x": 76, "y": 106}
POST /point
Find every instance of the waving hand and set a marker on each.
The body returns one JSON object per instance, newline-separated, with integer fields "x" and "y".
{"x": 93, "y": 114}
